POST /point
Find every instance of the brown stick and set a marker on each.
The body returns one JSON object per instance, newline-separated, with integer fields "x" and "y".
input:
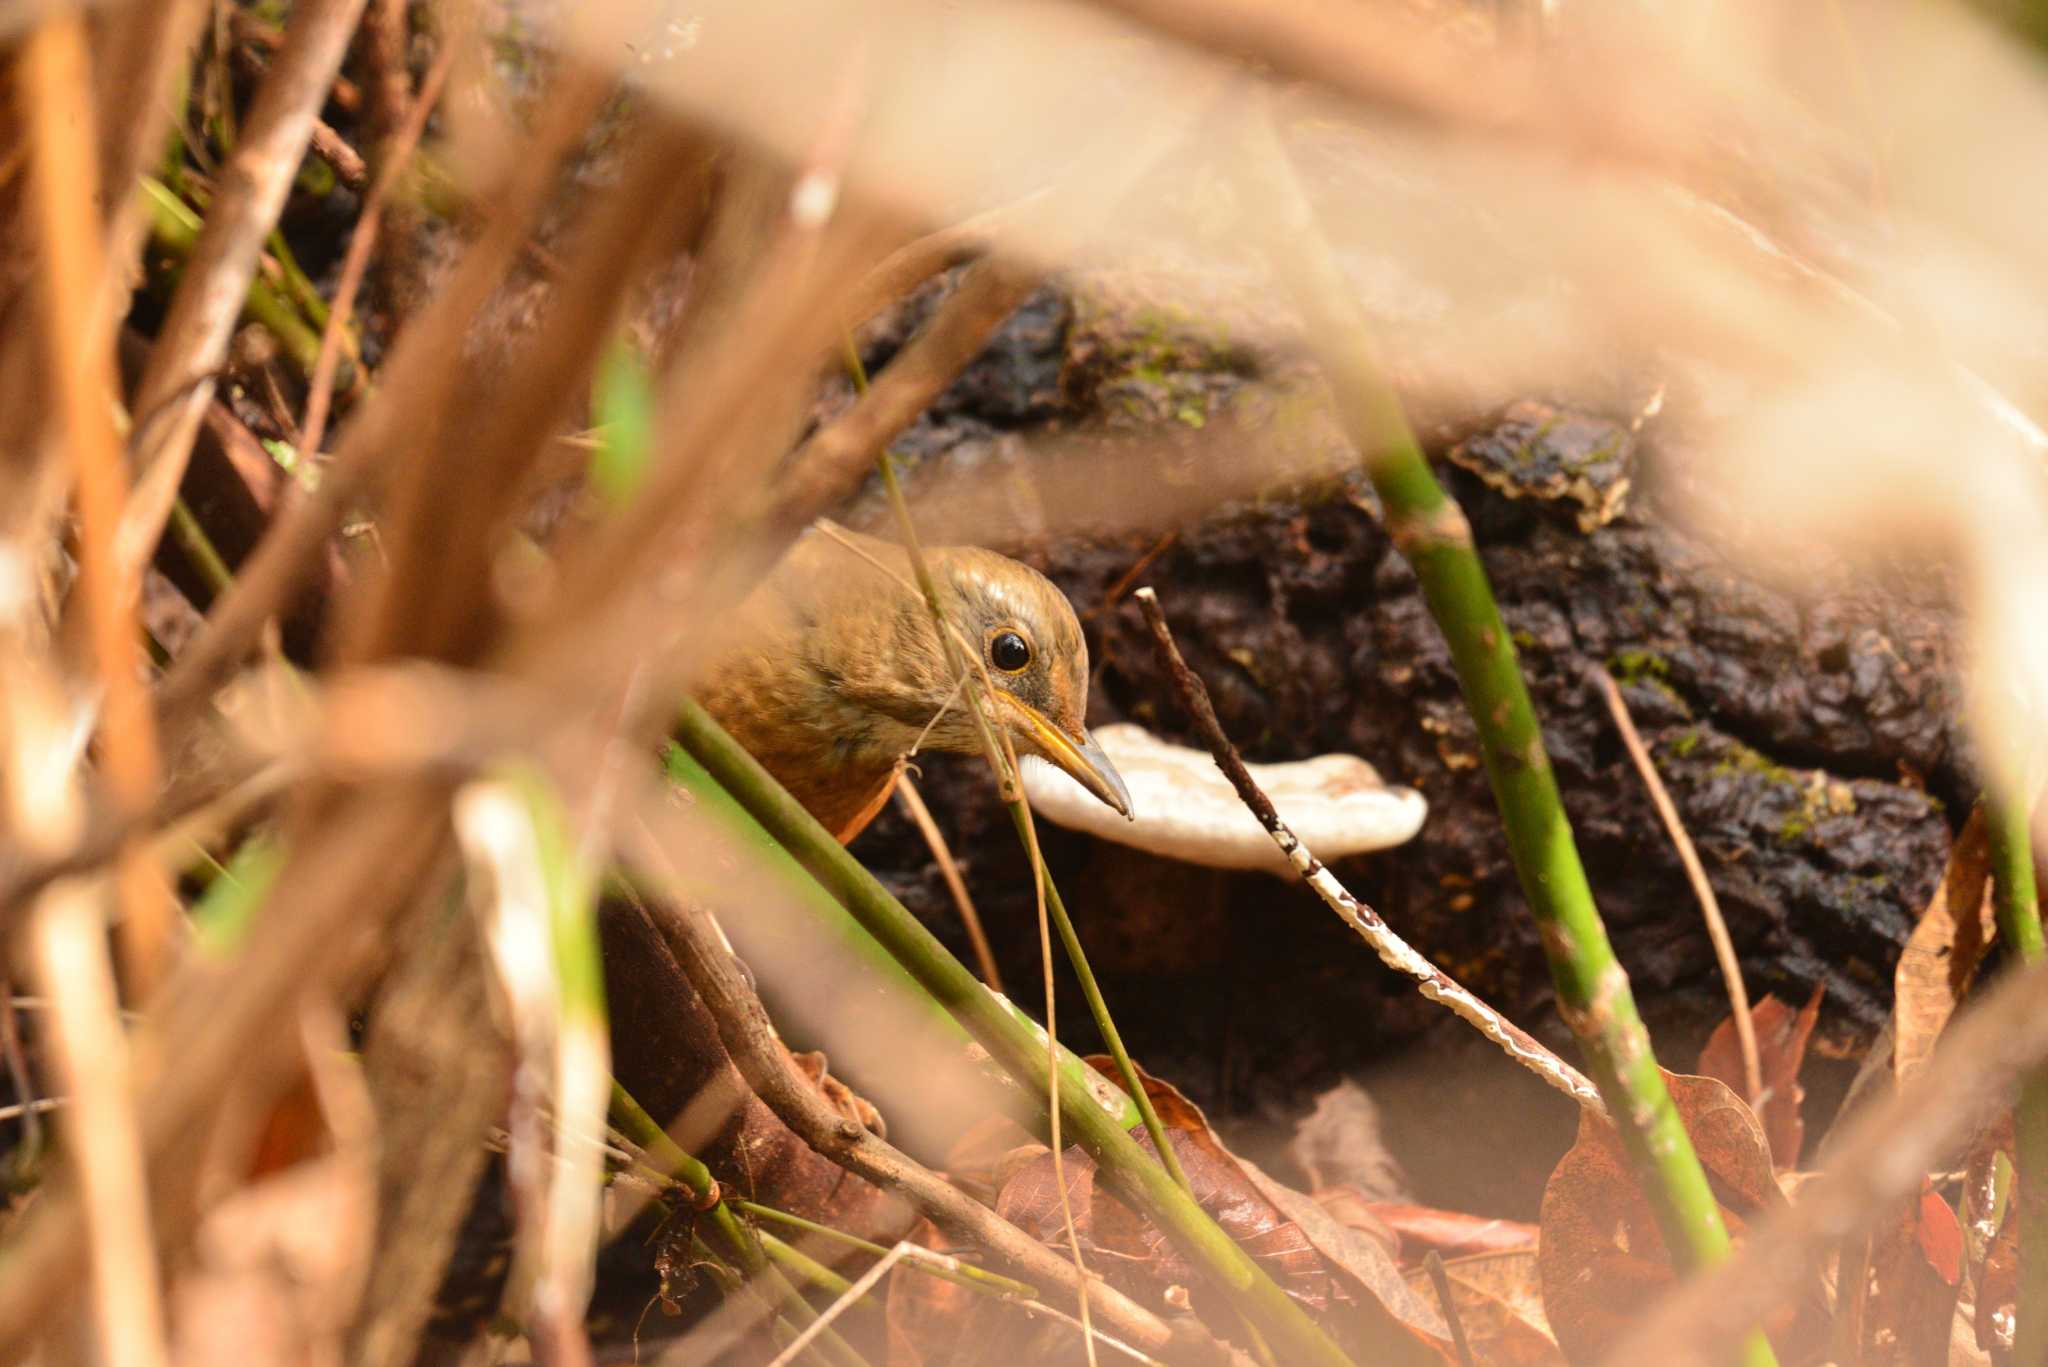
{"x": 1395, "y": 952}
{"x": 750, "y": 1038}
{"x": 913, "y": 803}
{"x": 831, "y": 465}
{"x": 1710, "y": 906}
{"x": 56, "y": 82}
{"x": 344, "y": 160}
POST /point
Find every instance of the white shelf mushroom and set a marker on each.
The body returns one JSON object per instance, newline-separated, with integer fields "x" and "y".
{"x": 1184, "y": 808}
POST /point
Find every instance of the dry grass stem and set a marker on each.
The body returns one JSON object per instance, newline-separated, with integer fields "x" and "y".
{"x": 92, "y": 1072}
{"x": 949, "y": 869}
{"x": 1695, "y": 872}
{"x": 56, "y": 80}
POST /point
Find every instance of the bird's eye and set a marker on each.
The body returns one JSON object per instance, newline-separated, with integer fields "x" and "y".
{"x": 1009, "y": 652}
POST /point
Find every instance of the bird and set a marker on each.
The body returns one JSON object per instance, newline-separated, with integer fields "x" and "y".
{"x": 832, "y": 671}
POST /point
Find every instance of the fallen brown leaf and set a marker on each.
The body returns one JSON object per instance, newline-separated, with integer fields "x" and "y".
{"x": 1991, "y": 1237}
{"x": 1899, "y": 1284}
{"x": 1942, "y": 953}
{"x": 1346, "y": 1278}
{"x": 1781, "y": 1036}
{"x": 1602, "y": 1257}
{"x": 1500, "y": 1304}
{"x": 1450, "y": 1233}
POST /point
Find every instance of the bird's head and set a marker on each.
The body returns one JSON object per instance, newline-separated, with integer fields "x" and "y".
{"x": 1037, "y": 660}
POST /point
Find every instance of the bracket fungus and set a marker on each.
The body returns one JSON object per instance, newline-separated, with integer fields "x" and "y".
{"x": 1184, "y": 808}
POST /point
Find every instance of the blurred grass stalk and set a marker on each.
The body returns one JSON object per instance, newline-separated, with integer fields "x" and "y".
{"x": 1430, "y": 531}
{"x": 1015, "y": 1045}
{"x": 2019, "y": 924}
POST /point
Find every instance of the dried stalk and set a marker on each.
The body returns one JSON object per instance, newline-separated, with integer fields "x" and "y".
{"x": 935, "y": 840}
{"x": 1394, "y": 952}
{"x": 1710, "y": 905}
{"x": 56, "y": 81}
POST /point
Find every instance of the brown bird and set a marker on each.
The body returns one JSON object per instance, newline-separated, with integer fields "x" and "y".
{"x": 834, "y": 671}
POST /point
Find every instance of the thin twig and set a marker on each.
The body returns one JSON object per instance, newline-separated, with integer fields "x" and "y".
{"x": 392, "y": 164}
{"x": 1003, "y": 759}
{"x": 935, "y": 840}
{"x": 910, "y": 265}
{"x": 837, "y": 456}
{"x": 1710, "y": 905}
{"x": 1517, "y": 1043}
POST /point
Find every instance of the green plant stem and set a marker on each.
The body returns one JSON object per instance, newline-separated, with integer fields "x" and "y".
{"x": 200, "y": 550}
{"x": 175, "y": 228}
{"x": 1013, "y": 1044}
{"x": 1430, "y": 531}
{"x": 798, "y": 1263}
{"x": 976, "y": 1278}
{"x": 2019, "y": 924}
{"x": 826, "y": 917}
{"x": 1020, "y": 814}
{"x": 762, "y": 1275}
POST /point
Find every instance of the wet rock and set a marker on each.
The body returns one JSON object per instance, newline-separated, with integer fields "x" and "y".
{"x": 1810, "y": 745}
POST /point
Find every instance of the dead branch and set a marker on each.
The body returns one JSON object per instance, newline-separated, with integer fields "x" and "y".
{"x": 830, "y": 465}
{"x": 346, "y": 162}
{"x": 949, "y": 869}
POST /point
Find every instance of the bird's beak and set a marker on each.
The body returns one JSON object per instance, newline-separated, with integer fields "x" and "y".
{"x": 1081, "y": 757}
